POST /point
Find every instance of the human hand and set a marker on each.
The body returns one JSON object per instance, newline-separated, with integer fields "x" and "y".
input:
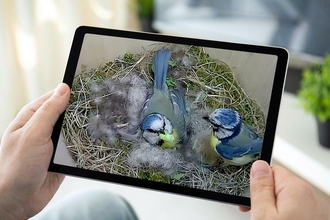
{"x": 25, "y": 153}
{"x": 278, "y": 194}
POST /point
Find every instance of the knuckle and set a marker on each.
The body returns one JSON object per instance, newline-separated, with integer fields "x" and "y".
{"x": 49, "y": 104}
{"x": 27, "y": 134}
{"x": 262, "y": 185}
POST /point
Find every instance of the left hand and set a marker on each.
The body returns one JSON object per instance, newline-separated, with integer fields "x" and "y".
{"x": 25, "y": 153}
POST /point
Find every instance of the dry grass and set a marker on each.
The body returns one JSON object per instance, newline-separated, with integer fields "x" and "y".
{"x": 209, "y": 84}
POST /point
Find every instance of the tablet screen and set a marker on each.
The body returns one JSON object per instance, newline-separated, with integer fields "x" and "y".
{"x": 191, "y": 115}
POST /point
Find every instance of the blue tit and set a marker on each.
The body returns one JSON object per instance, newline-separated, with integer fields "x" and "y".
{"x": 164, "y": 115}
{"x": 235, "y": 142}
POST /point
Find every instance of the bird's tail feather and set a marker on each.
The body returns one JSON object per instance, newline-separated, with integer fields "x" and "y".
{"x": 161, "y": 65}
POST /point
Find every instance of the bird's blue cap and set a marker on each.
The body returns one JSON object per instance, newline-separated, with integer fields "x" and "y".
{"x": 225, "y": 117}
{"x": 153, "y": 121}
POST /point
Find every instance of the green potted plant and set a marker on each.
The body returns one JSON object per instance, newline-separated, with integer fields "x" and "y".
{"x": 146, "y": 14}
{"x": 315, "y": 97}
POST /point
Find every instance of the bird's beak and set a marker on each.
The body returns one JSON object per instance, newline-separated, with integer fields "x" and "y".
{"x": 206, "y": 118}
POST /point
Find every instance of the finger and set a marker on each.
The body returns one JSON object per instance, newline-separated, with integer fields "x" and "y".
{"x": 27, "y": 111}
{"x": 244, "y": 209}
{"x": 46, "y": 116}
{"x": 262, "y": 189}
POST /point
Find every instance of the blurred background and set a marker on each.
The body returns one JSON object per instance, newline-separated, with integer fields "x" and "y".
{"x": 36, "y": 37}
{"x": 35, "y": 42}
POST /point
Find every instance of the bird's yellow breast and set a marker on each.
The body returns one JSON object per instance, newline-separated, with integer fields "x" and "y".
{"x": 214, "y": 141}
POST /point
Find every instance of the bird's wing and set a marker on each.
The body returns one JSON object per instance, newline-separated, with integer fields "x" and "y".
{"x": 252, "y": 133}
{"x": 145, "y": 107}
{"x": 229, "y": 152}
{"x": 182, "y": 119}
{"x": 178, "y": 101}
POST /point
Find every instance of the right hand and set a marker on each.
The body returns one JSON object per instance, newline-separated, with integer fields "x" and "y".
{"x": 278, "y": 194}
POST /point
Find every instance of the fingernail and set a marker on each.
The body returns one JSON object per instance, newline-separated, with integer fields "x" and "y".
{"x": 260, "y": 168}
{"x": 60, "y": 90}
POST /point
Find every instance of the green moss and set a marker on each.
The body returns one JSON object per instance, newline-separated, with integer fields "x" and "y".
{"x": 129, "y": 59}
{"x": 179, "y": 176}
{"x": 172, "y": 63}
{"x": 154, "y": 176}
{"x": 171, "y": 83}
{"x": 73, "y": 97}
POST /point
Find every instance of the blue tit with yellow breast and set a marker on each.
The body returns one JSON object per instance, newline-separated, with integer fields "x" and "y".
{"x": 165, "y": 118}
{"x": 235, "y": 142}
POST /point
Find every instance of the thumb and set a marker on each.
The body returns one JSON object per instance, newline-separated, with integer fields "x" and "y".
{"x": 262, "y": 190}
{"x": 46, "y": 116}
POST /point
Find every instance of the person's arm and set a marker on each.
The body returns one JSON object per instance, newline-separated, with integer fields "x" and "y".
{"x": 25, "y": 153}
{"x": 278, "y": 194}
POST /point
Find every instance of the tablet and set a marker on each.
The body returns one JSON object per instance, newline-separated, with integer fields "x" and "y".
{"x": 179, "y": 115}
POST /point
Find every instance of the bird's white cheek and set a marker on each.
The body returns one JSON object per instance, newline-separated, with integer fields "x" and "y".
{"x": 168, "y": 126}
{"x": 223, "y": 133}
{"x": 152, "y": 138}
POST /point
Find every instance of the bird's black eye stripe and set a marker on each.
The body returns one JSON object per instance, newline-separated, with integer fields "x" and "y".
{"x": 152, "y": 131}
{"x": 214, "y": 124}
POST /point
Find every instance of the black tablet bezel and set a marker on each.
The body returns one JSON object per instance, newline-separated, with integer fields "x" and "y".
{"x": 278, "y": 85}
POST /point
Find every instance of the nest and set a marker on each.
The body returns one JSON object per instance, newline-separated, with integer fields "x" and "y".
{"x": 101, "y": 127}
